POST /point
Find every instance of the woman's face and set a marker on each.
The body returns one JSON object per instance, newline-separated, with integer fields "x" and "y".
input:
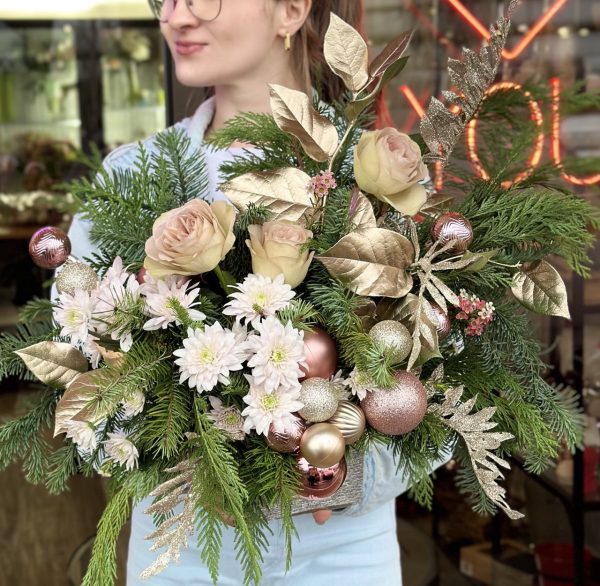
{"x": 239, "y": 44}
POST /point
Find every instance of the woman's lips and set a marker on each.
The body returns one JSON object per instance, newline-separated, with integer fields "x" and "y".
{"x": 187, "y": 48}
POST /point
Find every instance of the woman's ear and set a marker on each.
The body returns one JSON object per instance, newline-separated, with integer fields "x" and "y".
{"x": 292, "y": 15}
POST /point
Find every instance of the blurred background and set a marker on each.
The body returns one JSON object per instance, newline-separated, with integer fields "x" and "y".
{"x": 93, "y": 74}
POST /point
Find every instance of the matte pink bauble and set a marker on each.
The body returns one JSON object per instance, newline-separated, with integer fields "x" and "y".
{"x": 49, "y": 247}
{"x": 398, "y": 409}
{"x": 286, "y": 440}
{"x": 321, "y": 355}
{"x": 321, "y": 483}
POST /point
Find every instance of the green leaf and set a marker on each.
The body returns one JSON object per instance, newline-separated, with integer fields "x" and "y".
{"x": 480, "y": 259}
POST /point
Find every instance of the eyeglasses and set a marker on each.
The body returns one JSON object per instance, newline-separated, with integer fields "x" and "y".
{"x": 205, "y": 10}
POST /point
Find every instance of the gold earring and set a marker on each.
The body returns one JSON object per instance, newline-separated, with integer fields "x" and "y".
{"x": 287, "y": 43}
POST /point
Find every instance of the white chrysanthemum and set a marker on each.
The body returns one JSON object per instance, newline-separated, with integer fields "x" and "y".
{"x": 92, "y": 351}
{"x": 170, "y": 294}
{"x": 258, "y": 297}
{"x": 74, "y": 314}
{"x": 266, "y": 407}
{"x": 360, "y": 383}
{"x": 116, "y": 272}
{"x": 133, "y": 404}
{"x": 121, "y": 450}
{"x": 278, "y": 354}
{"x": 112, "y": 296}
{"x": 228, "y": 419}
{"x": 340, "y": 384}
{"x": 83, "y": 434}
{"x": 208, "y": 356}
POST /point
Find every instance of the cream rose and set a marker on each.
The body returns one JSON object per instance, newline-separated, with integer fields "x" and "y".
{"x": 190, "y": 240}
{"x": 276, "y": 248}
{"x": 388, "y": 165}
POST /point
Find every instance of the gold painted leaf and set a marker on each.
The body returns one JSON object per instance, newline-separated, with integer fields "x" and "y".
{"x": 391, "y": 53}
{"x": 74, "y": 401}
{"x": 540, "y": 288}
{"x": 294, "y": 113}
{"x": 362, "y": 212}
{"x": 284, "y": 191}
{"x": 346, "y": 54}
{"x": 372, "y": 262}
{"x": 54, "y": 363}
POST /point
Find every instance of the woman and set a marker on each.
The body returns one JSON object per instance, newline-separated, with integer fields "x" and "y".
{"x": 236, "y": 48}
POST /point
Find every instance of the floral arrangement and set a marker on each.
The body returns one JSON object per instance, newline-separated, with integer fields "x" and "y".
{"x": 232, "y": 359}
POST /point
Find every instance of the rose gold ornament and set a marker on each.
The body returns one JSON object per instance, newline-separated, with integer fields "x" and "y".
{"x": 393, "y": 336}
{"x": 320, "y": 399}
{"x": 322, "y": 445}
{"x": 453, "y": 226}
{"x": 49, "y": 247}
{"x": 141, "y": 276}
{"x": 321, "y": 354}
{"x": 398, "y": 409}
{"x": 350, "y": 420}
{"x": 320, "y": 483}
{"x": 444, "y": 324}
{"x": 286, "y": 440}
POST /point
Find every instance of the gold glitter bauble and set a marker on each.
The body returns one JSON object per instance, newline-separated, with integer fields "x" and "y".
{"x": 74, "y": 276}
{"x": 350, "y": 420}
{"x": 320, "y": 399}
{"x": 398, "y": 409}
{"x": 394, "y": 336}
{"x": 322, "y": 445}
{"x": 453, "y": 226}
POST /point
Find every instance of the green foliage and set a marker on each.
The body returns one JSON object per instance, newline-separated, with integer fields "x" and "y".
{"x": 301, "y": 313}
{"x": 122, "y": 204}
{"x": 530, "y": 224}
{"x": 62, "y": 465}
{"x": 36, "y": 310}
{"x": 336, "y": 220}
{"x": 219, "y": 490}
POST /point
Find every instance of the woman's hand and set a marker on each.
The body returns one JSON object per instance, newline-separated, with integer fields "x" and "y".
{"x": 321, "y": 516}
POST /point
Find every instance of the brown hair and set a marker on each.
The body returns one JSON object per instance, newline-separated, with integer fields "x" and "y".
{"x": 307, "y": 51}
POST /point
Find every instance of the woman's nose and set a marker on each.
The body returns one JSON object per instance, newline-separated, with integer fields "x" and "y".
{"x": 182, "y": 16}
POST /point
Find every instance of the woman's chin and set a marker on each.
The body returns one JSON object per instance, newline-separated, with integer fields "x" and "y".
{"x": 192, "y": 75}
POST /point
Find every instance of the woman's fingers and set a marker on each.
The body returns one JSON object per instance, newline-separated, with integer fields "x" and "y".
{"x": 321, "y": 516}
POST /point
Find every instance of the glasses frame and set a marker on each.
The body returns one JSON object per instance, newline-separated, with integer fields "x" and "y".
{"x": 157, "y": 5}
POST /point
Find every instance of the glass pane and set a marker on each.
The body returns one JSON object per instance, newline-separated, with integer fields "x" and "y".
{"x": 132, "y": 76}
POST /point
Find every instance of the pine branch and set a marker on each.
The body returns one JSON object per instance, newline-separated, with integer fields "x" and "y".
{"x": 36, "y": 310}
{"x": 302, "y": 314}
{"x": 62, "y": 465}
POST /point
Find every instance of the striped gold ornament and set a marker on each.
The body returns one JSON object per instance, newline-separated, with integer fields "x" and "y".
{"x": 350, "y": 420}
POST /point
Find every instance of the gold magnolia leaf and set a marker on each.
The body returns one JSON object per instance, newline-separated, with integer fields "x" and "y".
{"x": 346, "y": 54}
{"x": 366, "y": 312}
{"x": 361, "y": 211}
{"x": 54, "y": 363}
{"x": 294, "y": 113}
{"x": 391, "y": 53}
{"x": 74, "y": 401}
{"x": 540, "y": 288}
{"x": 284, "y": 191}
{"x": 372, "y": 262}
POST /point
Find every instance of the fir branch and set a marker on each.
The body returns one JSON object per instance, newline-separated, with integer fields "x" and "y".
{"x": 23, "y": 438}
{"x": 529, "y": 224}
{"x": 301, "y": 313}
{"x": 61, "y": 466}
{"x": 36, "y": 310}
{"x": 219, "y": 490}
{"x": 336, "y": 220}
{"x": 102, "y": 568}
{"x": 162, "y": 429}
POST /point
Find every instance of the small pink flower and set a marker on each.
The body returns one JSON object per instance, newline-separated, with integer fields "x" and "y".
{"x": 462, "y": 315}
{"x": 322, "y": 183}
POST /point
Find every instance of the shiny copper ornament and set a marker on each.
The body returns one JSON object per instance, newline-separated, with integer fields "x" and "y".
{"x": 320, "y": 399}
{"x": 350, "y": 420}
{"x": 322, "y": 445}
{"x": 393, "y": 336}
{"x": 321, "y": 354}
{"x": 443, "y": 325}
{"x": 141, "y": 276}
{"x": 74, "y": 276}
{"x": 286, "y": 440}
{"x": 453, "y": 226}
{"x": 320, "y": 483}
{"x": 398, "y": 409}
{"x": 49, "y": 247}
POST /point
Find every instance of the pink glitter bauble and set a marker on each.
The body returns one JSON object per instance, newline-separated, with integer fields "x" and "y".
{"x": 49, "y": 247}
{"x": 398, "y": 409}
